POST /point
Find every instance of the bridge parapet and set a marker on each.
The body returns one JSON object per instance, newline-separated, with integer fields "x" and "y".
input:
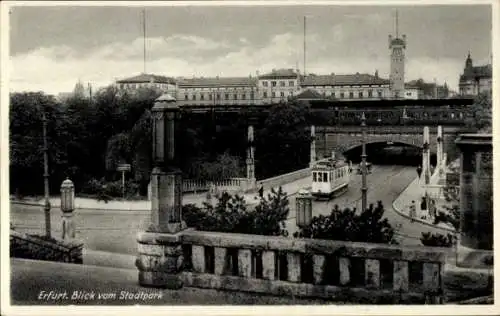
{"x": 336, "y": 270}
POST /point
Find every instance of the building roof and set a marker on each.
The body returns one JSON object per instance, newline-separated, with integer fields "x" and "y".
{"x": 218, "y": 82}
{"x": 147, "y": 78}
{"x": 477, "y": 72}
{"x": 310, "y": 94}
{"x": 343, "y": 80}
{"x": 280, "y": 73}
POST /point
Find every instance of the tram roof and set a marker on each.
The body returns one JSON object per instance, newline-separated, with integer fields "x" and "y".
{"x": 329, "y": 164}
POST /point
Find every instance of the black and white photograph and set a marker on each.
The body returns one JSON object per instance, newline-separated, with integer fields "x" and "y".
{"x": 292, "y": 155}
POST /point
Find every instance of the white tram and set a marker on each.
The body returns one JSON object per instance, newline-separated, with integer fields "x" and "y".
{"x": 330, "y": 178}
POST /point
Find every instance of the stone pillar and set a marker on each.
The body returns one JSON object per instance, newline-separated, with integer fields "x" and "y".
{"x": 439, "y": 151}
{"x": 160, "y": 247}
{"x": 251, "y": 159}
{"x": 313, "y": 146}
{"x": 476, "y": 191}
{"x": 426, "y": 166}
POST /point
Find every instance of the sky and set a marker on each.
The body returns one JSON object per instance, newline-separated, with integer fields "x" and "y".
{"x": 51, "y": 48}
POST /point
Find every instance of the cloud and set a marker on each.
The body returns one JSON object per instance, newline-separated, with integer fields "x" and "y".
{"x": 57, "y": 69}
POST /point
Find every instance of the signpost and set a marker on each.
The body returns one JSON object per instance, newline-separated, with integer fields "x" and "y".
{"x": 123, "y": 168}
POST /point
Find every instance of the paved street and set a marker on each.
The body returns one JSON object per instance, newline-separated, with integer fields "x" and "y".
{"x": 115, "y": 231}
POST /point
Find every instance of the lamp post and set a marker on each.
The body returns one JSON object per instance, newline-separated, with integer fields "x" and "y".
{"x": 363, "y": 163}
{"x": 46, "y": 176}
{"x": 303, "y": 203}
{"x": 67, "y": 207}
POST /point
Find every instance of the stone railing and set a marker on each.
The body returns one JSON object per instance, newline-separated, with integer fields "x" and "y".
{"x": 229, "y": 185}
{"x": 333, "y": 270}
{"x": 33, "y": 247}
{"x": 283, "y": 179}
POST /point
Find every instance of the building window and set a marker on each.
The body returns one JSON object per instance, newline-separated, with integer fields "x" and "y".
{"x": 186, "y": 97}
{"x": 342, "y": 95}
{"x": 291, "y": 83}
{"x": 226, "y": 96}
{"x": 273, "y": 83}
{"x": 265, "y": 83}
{"x": 282, "y": 94}
{"x": 194, "y": 97}
{"x": 282, "y": 83}
{"x": 210, "y": 97}
{"x": 333, "y": 94}
{"x": 243, "y": 96}
{"x": 379, "y": 94}
{"x": 202, "y": 97}
{"x": 265, "y": 94}
{"x": 351, "y": 95}
{"x": 273, "y": 94}
{"x": 370, "y": 93}
{"x": 235, "y": 96}
{"x": 218, "y": 96}
{"x": 360, "y": 94}
{"x": 251, "y": 96}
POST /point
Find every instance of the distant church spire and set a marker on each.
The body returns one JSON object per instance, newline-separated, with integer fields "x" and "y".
{"x": 397, "y": 24}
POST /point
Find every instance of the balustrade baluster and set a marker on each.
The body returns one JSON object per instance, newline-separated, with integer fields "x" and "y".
{"x": 401, "y": 276}
{"x": 318, "y": 268}
{"x": 198, "y": 256}
{"x": 372, "y": 273}
{"x": 344, "y": 270}
{"x": 293, "y": 260}
{"x": 268, "y": 265}
{"x": 220, "y": 260}
{"x": 245, "y": 263}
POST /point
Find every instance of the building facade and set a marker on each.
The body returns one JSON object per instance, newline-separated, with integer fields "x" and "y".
{"x": 218, "y": 91}
{"x": 279, "y": 85}
{"x": 475, "y": 79}
{"x": 160, "y": 83}
{"x": 346, "y": 87}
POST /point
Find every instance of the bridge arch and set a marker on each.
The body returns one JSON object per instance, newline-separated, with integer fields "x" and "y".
{"x": 390, "y": 143}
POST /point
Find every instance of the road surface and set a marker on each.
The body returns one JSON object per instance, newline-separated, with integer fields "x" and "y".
{"x": 115, "y": 231}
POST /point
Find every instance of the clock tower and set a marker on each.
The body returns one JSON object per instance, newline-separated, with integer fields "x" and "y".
{"x": 397, "y": 45}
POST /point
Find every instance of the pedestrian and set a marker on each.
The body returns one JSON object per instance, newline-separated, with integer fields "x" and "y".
{"x": 419, "y": 171}
{"x": 423, "y": 204}
{"x": 413, "y": 211}
{"x": 261, "y": 192}
{"x": 432, "y": 208}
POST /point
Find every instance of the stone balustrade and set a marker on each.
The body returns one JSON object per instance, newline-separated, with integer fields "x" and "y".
{"x": 333, "y": 270}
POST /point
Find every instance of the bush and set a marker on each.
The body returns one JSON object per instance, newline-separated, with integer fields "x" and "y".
{"x": 230, "y": 215}
{"x": 346, "y": 225}
{"x": 107, "y": 190}
{"x": 437, "y": 240}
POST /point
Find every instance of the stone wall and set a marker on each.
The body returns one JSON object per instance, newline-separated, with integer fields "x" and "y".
{"x": 334, "y": 270}
{"x": 33, "y": 247}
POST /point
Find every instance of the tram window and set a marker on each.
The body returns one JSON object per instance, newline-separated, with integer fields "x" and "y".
{"x": 325, "y": 177}
{"x": 314, "y": 176}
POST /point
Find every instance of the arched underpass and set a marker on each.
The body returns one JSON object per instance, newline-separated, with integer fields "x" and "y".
{"x": 388, "y": 153}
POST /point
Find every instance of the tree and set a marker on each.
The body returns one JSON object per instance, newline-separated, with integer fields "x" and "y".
{"x": 481, "y": 113}
{"x": 230, "y": 215}
{"x": 283, "y": 143}
{"x": 346, "y": 225}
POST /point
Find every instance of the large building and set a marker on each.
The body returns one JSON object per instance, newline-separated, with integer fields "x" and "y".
{"x": 218, "y": 90}
{"x": 475, "y": 79}
{"x": 350, "y": 86}
{"x": 279, "y": 85}
{"x": 161, "y": 83}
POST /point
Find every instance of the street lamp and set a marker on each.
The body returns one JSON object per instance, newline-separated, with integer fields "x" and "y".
{"x": 67, "y": 207}
{"x": 363, "y": 163}
{"x": 303, "y": 208}
{"x": 46, "y": 176}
